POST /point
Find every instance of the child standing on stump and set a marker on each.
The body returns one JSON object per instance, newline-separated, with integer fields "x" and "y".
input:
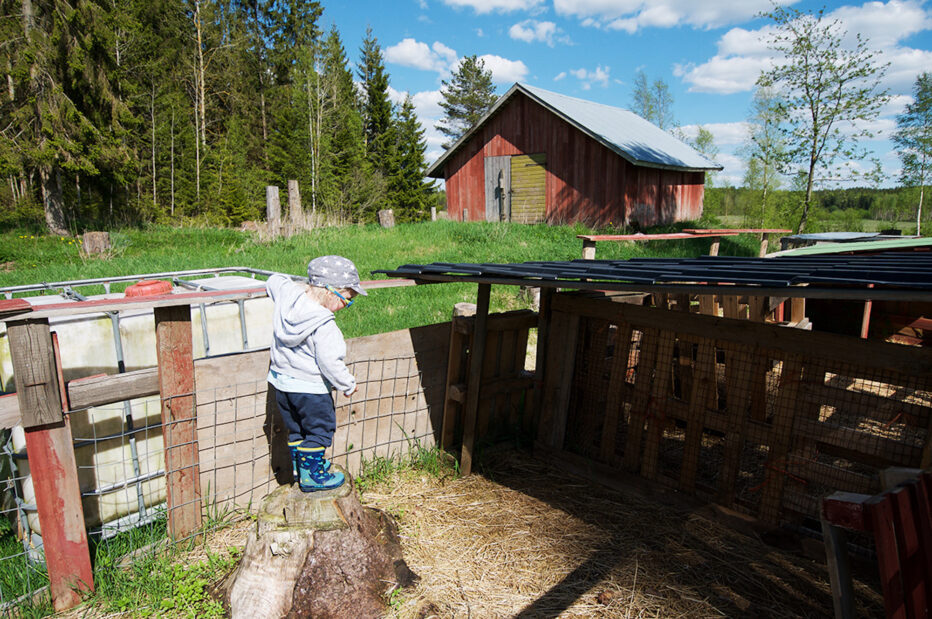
{"x": 307, "y": 362}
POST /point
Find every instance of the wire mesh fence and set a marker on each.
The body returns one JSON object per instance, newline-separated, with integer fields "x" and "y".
{"x": 760, "y": 418}
{"x": 129, "y": 494}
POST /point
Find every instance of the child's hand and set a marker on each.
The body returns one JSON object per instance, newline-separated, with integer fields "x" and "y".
{"x": 350, "y": 393}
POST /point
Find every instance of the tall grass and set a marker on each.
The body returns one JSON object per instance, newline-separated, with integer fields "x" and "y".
{"x": 29, "y": 259}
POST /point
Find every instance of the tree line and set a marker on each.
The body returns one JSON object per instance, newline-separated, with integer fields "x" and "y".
{"x": 184, "y": 110}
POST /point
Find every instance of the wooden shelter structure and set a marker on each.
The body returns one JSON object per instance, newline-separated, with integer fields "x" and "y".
{"x": 541, "y": 156}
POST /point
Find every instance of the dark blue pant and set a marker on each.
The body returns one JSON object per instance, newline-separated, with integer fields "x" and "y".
{"x": 309, "y": 417}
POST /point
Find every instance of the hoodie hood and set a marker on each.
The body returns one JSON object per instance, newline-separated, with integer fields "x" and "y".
{"x": 296, "y": 316}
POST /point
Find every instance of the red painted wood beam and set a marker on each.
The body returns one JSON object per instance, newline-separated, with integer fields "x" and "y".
{"x": 179, "y": 420}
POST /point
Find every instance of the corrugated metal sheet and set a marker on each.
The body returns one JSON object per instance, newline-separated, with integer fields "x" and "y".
{"x": 900, "y": 271}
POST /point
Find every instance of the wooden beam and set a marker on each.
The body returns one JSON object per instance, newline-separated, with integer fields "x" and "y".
{"x": 476, "y": 354}
{"x": 101, "y": 390}
{"x": 456, "y": 373}
{"x": 51, "y": 462}
{"x": 179, "y": 419}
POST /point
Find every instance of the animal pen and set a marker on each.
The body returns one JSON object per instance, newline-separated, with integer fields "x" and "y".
{"x": 637, "y": 375}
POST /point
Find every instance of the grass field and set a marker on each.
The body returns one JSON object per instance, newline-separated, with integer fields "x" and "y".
{"x": 30, "y": 259}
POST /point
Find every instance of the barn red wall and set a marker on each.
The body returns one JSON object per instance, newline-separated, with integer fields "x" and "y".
{"x": 585, "y": 181}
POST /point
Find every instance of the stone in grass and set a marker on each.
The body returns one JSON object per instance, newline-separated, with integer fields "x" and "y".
{"x": 318, "y": 554}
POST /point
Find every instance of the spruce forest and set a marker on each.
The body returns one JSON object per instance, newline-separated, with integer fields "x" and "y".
{"x": 179, "y": 111}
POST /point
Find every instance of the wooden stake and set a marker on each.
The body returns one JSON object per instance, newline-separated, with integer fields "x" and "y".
{"x": 179, "y": 420}
{"x": 52, "y": 464}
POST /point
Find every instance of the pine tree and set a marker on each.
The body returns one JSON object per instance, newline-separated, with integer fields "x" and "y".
{"x": 409, "y": 193}
{"x": 466, "y": 98}
{"x": 376, "y": 107}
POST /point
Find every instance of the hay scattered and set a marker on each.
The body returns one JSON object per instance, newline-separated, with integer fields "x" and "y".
{"x": 522, "y": 540}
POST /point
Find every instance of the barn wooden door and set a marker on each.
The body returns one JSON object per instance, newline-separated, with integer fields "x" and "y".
{"x": 528, "y": 188}
{"x": 497, "y": 188}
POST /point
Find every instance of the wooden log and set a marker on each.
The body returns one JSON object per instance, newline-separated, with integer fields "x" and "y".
{"x": 588, "y": 249}
{"x": 179, "y": 419}
{"x": 477, "y": 352}
{"x": 52, "y": 463}
{"x": 387, "y": 218}
{"x": 95, "y": 243}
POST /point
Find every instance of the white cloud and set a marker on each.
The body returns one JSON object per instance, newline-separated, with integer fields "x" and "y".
{"x": 743, "y": 54}
{"x": 427, "y": 105}
{"x": 631, "y": 15}
{"x": 504, "y": 71}
{"x": 531, "y": 30}
{"x": 725, "y": 134}
{"x": 412, "y": 53}
{"x": 599, "y": 75}
{"x": 560, "y": 76}
{"x": 497, "y": 6}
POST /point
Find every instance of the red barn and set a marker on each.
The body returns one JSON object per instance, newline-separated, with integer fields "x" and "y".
{"x": 541, "y": 156}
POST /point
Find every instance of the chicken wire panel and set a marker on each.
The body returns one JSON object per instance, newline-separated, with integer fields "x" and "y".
{"x": 387, "y": 416}
{"x": 23, "y": 575}
{"x": 595, "y": 353}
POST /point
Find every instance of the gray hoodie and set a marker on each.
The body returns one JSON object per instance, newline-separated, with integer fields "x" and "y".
{"x": 307, "y": 344}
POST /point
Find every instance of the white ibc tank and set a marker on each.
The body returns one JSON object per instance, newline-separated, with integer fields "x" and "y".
{"x": 121, "y": 472}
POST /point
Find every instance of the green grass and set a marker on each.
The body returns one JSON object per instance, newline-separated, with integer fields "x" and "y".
{"x": 419, "y": 460}
{"x": 30, "y": 259}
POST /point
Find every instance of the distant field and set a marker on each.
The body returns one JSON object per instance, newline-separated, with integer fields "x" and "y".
{"x": 28, "y": 259}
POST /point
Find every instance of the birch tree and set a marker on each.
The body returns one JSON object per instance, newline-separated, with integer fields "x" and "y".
{"x": 830, "y": 89}
{"x": 913, "y": 139}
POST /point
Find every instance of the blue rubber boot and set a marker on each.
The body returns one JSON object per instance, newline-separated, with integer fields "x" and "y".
{"x": 293, "y": 448}
{"x": 311, "y": 473}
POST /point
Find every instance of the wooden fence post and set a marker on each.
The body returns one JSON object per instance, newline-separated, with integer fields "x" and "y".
{"x": 52, "y": 465}
{"x": 295, "y": 212}
{"x": 273, "y": 211}
{"x": 179, "y": 419}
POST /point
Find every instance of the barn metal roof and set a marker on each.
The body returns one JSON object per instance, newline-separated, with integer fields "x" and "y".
{"x": 890, "y": 275}
{"x": 626, "y": 133}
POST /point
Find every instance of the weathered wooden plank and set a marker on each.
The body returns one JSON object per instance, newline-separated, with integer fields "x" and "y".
{"x": 909, "y": 550}
{"x": 737, "y": 363}
{"x": 561, "y": 358}
{"x": 101, "y": 390}
{"x": 888, "y": 451}
{"x": 839, "y": 570}
{"x": 703, "y": 381}
{"x": 661, "y": 393}
{"x": 617, "y": 387}
{"x": 644, "y": 377}
{"x": 179, "y": 419}
{"x": 34, "y": 372}
{"x": 9, "y": 411}
{"x": 883, "y": 526}
{"x": 491, "y": 364}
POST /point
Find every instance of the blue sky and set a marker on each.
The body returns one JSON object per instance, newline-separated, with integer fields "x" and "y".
{"x": 709, "y": 52}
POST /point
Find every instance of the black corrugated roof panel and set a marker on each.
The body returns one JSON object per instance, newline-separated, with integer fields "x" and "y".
{"x": 905, "y": 272}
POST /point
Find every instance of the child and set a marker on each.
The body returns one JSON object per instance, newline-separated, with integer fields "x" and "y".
{"x": 307, "y": 362}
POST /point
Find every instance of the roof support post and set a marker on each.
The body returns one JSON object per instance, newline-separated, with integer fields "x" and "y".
{"x": 476, "y": 354}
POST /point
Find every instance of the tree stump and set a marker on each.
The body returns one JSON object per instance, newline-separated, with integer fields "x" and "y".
{"x": 387, "y": 218}
{"x": 318, "y": 554}
{"x": 93, "y": 243}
